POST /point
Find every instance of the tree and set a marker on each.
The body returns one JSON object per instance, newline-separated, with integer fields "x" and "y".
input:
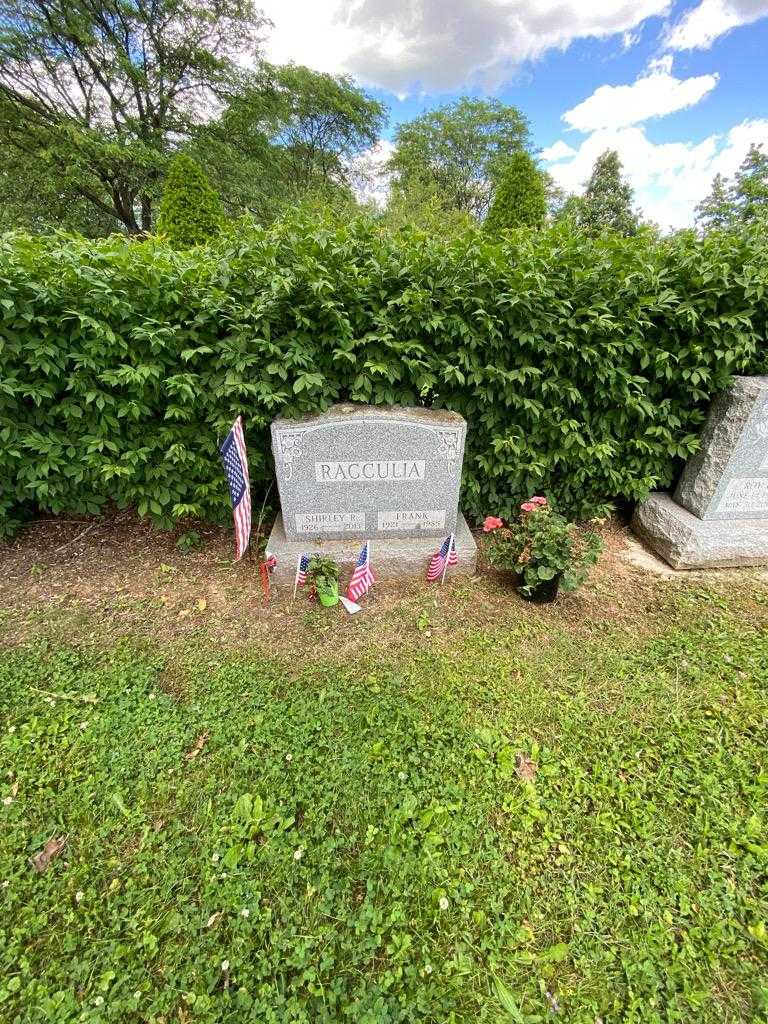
{"x": 718, "y": 210}
{"x": 607, "y": 201}
{"x": 556, "y": 195}
{"x": 520, "y": 197}
{"x": 569, "y": 211}
{"x": 422, "y": 207}
{"x": 190, "y": 210}
{"x": 100, "y": 91}
{"x": 33, "y": 199}
{"x": 289, "y": 134}
{"x": 323, "y": 122}
{"x": 751, "y": 185}
{"x": 740, "y": 201}
{"x": 460, "y": 149}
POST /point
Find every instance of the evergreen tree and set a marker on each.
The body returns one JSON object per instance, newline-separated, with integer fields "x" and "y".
{"x": 718, "y": 210}
{"x": 190, "y": 210}
{"x": 607, "y": 200}
{"x": 751, "y": 185}
{"x": 520, "y": 197}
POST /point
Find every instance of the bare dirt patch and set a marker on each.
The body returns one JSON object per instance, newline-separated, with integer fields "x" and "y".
{"x": 119, "y": 575}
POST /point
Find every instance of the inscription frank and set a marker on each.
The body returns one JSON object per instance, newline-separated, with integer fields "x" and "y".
{"x": 412, "y": 519}
{"x": 370, "y": 472}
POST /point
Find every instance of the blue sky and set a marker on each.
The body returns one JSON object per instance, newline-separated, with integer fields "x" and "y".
{"x": 679, "y": 88}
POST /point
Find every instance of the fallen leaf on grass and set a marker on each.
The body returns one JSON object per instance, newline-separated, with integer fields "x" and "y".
{"x": 526, "y": 768}
{"x": 41, "y": 861}
{"x": 119, "y": 803}
{"x": 200, "y": 742}
{"x": 15, "y": 788}
{"x": 214, "y": 919}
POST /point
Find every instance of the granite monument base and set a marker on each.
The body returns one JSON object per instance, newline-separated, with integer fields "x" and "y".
{"x": 391, "y": 558}
{"x": 687, "y": 542}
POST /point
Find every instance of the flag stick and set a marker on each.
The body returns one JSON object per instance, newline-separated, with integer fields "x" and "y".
{"x": 296, "y": 577}
{"x": 370, "y": 589}
{"x": 447, "y": 557}
{"x": 258, "y": 526}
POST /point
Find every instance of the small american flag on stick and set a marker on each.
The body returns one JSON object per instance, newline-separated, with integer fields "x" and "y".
{"x": 302, "y": 564}
{"x": 363, "y": 577}
{"x": 442, "y": 559}
{"x": 235, "y": 462}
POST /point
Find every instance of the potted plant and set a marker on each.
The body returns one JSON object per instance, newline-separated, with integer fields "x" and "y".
{"x": 323, "y": 577}
{"x": 542, "y": 549}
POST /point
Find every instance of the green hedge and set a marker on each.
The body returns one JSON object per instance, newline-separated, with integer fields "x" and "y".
{"x": 584, "y": 368}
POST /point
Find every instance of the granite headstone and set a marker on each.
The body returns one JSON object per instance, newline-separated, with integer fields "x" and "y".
{"x": 387, "y": 474}
{"x": 719, "y": 513}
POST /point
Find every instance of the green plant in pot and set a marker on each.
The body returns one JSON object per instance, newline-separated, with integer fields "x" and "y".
{"x": 323, "y": 577}
{"x": 544, "y": 551}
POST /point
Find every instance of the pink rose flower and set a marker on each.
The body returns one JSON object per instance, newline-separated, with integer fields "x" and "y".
{"x": 538, "y": 500}
{"x": 528, "y": 506}
{"x": 492, "y": 523}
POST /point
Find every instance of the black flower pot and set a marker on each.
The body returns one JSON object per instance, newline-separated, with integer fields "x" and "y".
{"x": 544, "y": 592}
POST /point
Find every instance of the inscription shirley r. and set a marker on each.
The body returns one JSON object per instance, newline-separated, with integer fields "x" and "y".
{"x": 329, "y": 522}
{"x": 402, "y": 470}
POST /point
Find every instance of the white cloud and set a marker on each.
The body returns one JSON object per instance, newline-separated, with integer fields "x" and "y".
{"x": 558, "y": 151}
{"x": 669, "y": 178}
{"x": 436, "y": 45}
{"x": 654, "y": 94}
{"x": 699, "y": 28}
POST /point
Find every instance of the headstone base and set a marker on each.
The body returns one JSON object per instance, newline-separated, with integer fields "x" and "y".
{"x": 687, "y": 542}
{"x": 391, "y": 559}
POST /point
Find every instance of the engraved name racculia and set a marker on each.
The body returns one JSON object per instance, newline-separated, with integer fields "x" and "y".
{"x": 369, "y": 472}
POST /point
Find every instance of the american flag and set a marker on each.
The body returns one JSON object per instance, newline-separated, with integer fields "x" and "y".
{"x": 302, "y": 564}
{"x": 236, "y": 468}
{"x": 363, "y": 577}
{"x": 442, "y": 559}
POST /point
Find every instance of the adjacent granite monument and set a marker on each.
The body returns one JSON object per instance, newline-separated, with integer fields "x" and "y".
{"x": 719, "y": 514}
{"x": 387, "y": 474}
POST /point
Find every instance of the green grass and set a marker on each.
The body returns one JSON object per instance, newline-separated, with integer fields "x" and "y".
{"x": 354, "y": 840}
